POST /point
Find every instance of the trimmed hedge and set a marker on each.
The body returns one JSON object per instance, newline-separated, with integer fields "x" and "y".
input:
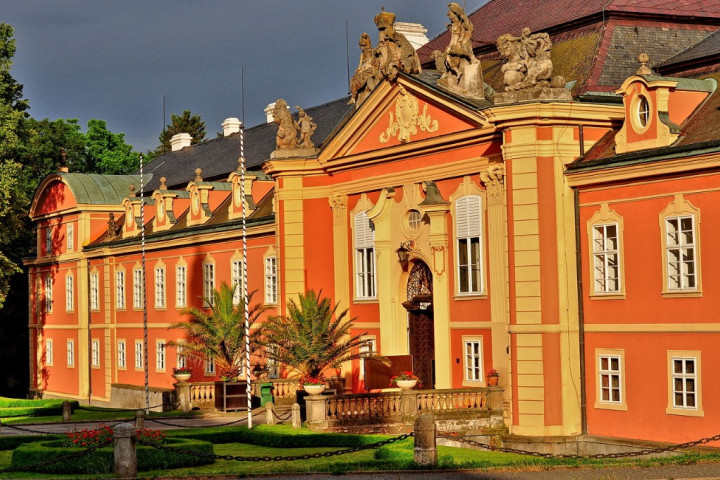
{"x": 16, "y": 407}
{"x": 102, "y": 459}
{"x": 275, "y": 436}
{"x": 13, "y": 441}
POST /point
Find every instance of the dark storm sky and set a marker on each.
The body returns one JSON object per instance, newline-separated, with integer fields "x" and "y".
{"x": 114, "y": 60}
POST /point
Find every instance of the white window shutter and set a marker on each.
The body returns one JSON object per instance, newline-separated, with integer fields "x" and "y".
{"x": 467, "y": 211}
{"x": 364, "y": 231}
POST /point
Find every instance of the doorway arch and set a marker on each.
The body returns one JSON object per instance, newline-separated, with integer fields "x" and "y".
{"x": 421, "y": 322}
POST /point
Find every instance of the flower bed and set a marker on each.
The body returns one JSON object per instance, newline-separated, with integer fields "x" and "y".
{"x": 102, "y": 459}
{"x": 14, "y": 407}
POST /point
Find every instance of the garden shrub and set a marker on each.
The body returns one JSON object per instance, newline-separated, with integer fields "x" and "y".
{"x": 13, "y": 441}
{"x": 102, "y": 459}
{"x": 17, "y": 407}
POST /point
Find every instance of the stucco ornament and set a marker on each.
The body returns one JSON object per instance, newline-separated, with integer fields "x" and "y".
{"x": 367, "y": 75}
{"x": 461, "y": 70}
{"x": 394, "y": 51}
{"x": 287, "y": 134}
{"x": 407, "y": 119}
{"x": 494, "y": 179}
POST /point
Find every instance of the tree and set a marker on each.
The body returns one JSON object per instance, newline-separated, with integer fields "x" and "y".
{"x": 43, "y": 143}
{"x": 312, "y": 337}
{"x": 185, "y": 123}
{"x": 107, "y": 152}
{"x": 12, "y": 105}
{"x": 219, "y": 333}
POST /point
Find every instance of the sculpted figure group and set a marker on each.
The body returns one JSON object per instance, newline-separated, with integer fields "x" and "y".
{"x": 288, "y": 129}
{"x": 528, "y": 60}
{"x": 461, "y": 70}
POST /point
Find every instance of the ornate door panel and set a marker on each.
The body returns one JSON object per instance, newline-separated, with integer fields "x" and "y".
{"x": 422, "y": 345}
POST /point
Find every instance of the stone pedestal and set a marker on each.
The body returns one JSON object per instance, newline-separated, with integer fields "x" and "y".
{"x": 315, "y": 410}
{"x": 124, "y": 450}
{"x": 182, "y": 393}
{"x": 425, "y": 452}
{"x": 531, "y": 94}
{"x": 294, "y": 153}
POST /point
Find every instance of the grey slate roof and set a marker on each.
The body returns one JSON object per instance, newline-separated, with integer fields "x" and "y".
{"x": 707, "y": 48}
{"x": 218, "y": 157}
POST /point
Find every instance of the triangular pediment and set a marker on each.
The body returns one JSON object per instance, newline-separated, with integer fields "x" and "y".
{"x": 400, "y": 115}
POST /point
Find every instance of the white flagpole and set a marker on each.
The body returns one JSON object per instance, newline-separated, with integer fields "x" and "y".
{"x": 244, "y": 273}
{"x": 144, "y": 287}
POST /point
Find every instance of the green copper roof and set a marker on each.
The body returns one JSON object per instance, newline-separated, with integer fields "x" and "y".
{"x": 92, "y": 188}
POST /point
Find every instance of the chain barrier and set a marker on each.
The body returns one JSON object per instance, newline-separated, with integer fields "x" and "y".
{"x": 307, "y": 456}
{"x": 597, "y": 456}
{"x": 87, "y": 451}
{"x": 29, "y": 430}
{"x": 240, "y": 420}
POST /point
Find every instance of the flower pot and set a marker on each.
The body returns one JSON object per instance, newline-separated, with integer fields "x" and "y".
{"x": 492, "y": 381}
{"x": 406, "y": 384}
{"x": 314, "y": 389}
{"x": 182, "y": 377}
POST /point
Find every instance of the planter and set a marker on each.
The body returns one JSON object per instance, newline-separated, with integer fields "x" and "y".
{"x": 182, "y": 377}
{"x": 314, "y": 389}
{"x": 406, "y": 384}
{"x": 492, "y": 381}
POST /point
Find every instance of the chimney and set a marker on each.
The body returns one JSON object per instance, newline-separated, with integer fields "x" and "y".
{"x": 180, "y": 141}
{"x": 230, "y": 126}
{"x": 269, "y": 112}
{"x": 414, "y": 32}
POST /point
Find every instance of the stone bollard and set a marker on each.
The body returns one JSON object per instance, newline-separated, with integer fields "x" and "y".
{"x": 140, "y": 419}
{"x": 296, "y": 420}
{"x": 270, "y": 413}
{"x": 66, "y": 411}
{"x": 125, "y": 454}
{"x": 425, "y": 447}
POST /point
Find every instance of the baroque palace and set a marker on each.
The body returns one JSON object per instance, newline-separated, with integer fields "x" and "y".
{"x": 533, "y": 191}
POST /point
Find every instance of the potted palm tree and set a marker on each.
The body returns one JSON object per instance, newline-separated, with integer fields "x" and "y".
{"x": 218, "y": 332}
{"x": 313, "y": 338}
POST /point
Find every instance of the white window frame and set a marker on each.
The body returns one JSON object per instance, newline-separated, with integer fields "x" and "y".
{"x": 139, "y": 355}
{"x": 208, "y": 283}
{"x": 70, "y": 353}
{"x": 94, "y": 291}
{"x": 473, "y": 360}
{"x": 160, "y": 352}
{"x": 685, "y": 382}
{"x": 180, "y": 357}
{"x": 610, "y": 367}
{"x": 236, "y": 279}
{"x": 606, "y": 258}
{"x": 160, "y": 287}
{"x": 120, "y": 289}
{"x": 122, "y": 353}
{"x": 48, "y": 294}
{"x": 209, "y": 367}
{"x": 677, "y": 249}
{"x": 49, "y": 353}
{"x": 365, "y": 350}
{"x": 69, "y": 293}
{"x": 365, "y": 268}
{"x": 468, "y": 233}
{"x": 70, "y": 237}
{"x": 138, "y": 291}
{"x": 271, "y": 283}
{"x": 181, "y": 286}
{"x": 95, "y": 352}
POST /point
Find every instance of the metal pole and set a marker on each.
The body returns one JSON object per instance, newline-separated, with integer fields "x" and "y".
{"x": 144, "y": 286}
{"x": 244, "y": 272}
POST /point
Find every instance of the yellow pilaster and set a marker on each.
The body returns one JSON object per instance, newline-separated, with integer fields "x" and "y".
{"x": 339, "y": 203}
{"x": 293, "y": 239}
{"x": 82, "y": 346}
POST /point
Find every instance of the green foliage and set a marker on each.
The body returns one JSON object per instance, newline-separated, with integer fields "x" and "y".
{"x": 107, "y": 152}
{"x": 11, "y": 442}
{"x": 185, "y": 123}
{"x": 102, "y": 460}
{"x": 12, "y": 105}
{"x": 219, "y": 332}
{"x": 313, "y": 336}
{"x": 13, "y": 407}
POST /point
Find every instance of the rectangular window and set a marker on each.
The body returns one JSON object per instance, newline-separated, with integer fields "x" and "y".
{"x": 120, "y": 289}
{"x": 95, "y": 353}
{"x": 606, "y": 256}
{"x": 473, "y": 361}
{"x": 160, "y": 287}
{"x": 364, "y": 257}
{"x": 138, "y": 289}
{"x": 70, "y": 237}
{"x": 272, "y": 364}
{"x": 684, "y": 383}
{"x": 181, "y": 359}
{"x": 71, "y": 353}
{"x": 610, "y": 379}
{"x": 208, "y": 283}
{"x": 48, "y": 241}
{"x": 236, "y": 268}
{"x": 367, "y": 349}
{"x": 210, "y": 366}
{"x": 48, "y": 294}
{"x": 468, "y": 231}
{"x": 180, "y": 286}
{"x": 160, "y": 356}
{"x": 94, "y": 292}
{"x": 49, "y": 354}
{"x": 69, "y": 293}
{"x": 139, "y": 355}
{"x": 271, "y": 293}
{"x": 681, "y": 254}
{"x": 122, "y": 354}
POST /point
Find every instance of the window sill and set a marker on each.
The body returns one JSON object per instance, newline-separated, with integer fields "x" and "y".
{"x": 473, "y": 383}
{"x": 682, "y": 294}
{"x": 607, "y": 296}
{"x": 361, "y": 301}
{"x": 611, "y": 406}
{"x": 470, "y": 296}
{"x": 684, "y": 412}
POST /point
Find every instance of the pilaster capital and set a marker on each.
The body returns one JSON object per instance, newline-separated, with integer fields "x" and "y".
{"x": 494, "y": 181}
{"x": 338, "y": 205}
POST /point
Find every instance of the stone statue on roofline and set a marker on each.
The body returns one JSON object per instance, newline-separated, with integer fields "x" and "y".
{"x": 293, "y": 136}
{"x": 367, "y": 75}
{"x": 461, "y": 70}
{"x": 394, "y": 51}
{"x": 527, "y": 71}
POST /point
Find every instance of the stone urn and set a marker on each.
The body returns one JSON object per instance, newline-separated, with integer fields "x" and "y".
{"x": 182, "y": 377}
{"x": 314, "y": 389}
{"x": 406, "y": 384}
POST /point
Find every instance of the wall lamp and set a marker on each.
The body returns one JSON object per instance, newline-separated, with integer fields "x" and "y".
{"x": 403, "y": 253}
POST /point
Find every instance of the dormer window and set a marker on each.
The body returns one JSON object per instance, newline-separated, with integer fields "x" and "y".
{"x": 640, "y": 112}
{"x": 643, "y": 111}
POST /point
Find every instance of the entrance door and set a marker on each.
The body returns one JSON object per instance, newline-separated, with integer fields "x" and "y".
{"x": 421, "y": 324}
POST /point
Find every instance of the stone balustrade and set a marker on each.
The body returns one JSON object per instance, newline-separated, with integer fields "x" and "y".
{"x": 202, "y": 394}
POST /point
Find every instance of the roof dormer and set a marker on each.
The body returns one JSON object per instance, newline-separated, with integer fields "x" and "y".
{"x": 165, "y": 205}
{"x": 132, "y": 205}
{"x": 656, "y": 107}
{"x": 204, "y": 198}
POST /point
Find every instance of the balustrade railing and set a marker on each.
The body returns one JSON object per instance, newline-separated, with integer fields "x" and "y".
{"x": 366, "y": 406}
{"x": 202, "y": 394}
